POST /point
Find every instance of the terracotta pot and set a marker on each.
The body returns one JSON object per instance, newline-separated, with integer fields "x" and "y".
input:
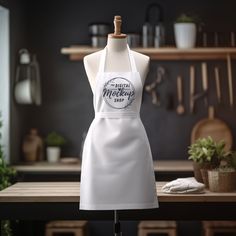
{"x": 197, "y": 172}
{"x": 221, "y": 181}
{"x": 204, "y": 173}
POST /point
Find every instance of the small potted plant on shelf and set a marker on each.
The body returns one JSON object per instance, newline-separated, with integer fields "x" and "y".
{"x": 7, "y": 178}
{"x": 223, "y": 178}
{"x": 54, "y": 141}
{"x": 185, "y": 31}
{"x": 205, "y": 154}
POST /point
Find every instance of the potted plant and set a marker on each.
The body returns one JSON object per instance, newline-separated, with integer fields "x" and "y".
{"x": 205, "y": 154}
{"x": 54, "y": 141}
{"x": 185, "y": 31}
{"x": 223, "y": 178}
{"x": 7, "y": 177}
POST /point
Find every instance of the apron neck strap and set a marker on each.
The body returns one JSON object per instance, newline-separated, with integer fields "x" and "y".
{"x": 131, "y": 59}
{"x": 103, "y": 60}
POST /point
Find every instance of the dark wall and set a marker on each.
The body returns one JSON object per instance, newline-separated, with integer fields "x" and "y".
{"x": 18, "y": 39}
{"x": 67, "y": 99}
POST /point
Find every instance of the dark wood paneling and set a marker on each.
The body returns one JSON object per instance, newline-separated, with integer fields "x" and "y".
{"x": 18, "y": 39}
{"x": 67, "y": 98}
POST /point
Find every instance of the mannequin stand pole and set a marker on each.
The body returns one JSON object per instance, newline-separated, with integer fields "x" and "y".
{"x": 117, "y": 226}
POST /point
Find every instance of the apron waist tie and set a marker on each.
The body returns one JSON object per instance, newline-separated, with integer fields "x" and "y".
{"x": 116, "y": 115}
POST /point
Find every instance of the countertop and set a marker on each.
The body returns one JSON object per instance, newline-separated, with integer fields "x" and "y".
{"x": 70, "y": 192}
{"x": 60, "y": 200}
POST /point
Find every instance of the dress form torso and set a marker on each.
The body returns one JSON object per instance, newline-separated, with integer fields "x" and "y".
{"x": 117, "y": 60}
{"x": 117, "y": 168}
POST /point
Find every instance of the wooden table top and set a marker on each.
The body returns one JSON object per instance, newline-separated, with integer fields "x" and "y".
{"x": 70, "y": 192}
{"x": 159, "y": 166}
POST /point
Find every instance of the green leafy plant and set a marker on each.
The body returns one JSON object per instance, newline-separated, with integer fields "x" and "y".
{"x": 228, "y": 160}
{"x": 54, "y": 139}
{"x": 207, "y": 152}
{"x": 184, "y": 18}
{"x": 7, "y": 177}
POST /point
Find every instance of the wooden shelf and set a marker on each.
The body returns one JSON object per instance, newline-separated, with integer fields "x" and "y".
{"x": 170, "y": 53}
{"x": 159, "y": 166}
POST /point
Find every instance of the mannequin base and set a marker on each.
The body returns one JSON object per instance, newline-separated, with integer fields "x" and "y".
{"x": 117, "y": 225}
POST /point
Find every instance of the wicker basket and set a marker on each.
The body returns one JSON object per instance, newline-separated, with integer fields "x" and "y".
{"x": 221, "y": 181}
{"x": 197, "y": 172}
{"x": 205, "y": 177}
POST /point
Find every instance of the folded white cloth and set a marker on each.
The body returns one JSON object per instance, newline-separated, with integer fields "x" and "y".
{"x": 184, "y": 185}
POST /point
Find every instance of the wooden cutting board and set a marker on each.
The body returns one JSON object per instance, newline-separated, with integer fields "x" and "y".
{"x": 213, "y": 127}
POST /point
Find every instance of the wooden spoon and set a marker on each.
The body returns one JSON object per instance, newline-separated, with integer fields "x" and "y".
{"x": 205, "y": 81}
{"x": 180, "y": 107}
{"x": 217, "y": 80}
{"x": 192, "y": 88}
{"x": 230, "y": 81}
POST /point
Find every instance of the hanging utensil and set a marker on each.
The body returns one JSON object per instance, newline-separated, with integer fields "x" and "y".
{"x": 36, "y": 81}
{"x": 155, "y": 99}
{"x": 216, "y": 39}
{"x": 232, "y": 39}
{"x": 192, "y": 88}
{"x": 147, "y": 30}
{"x": 204, "y": 39}
{"x": 204, "y": 85}
{"x": 152, "y": 88}
{"x": 23, "y": 92}
{"x": 159, "y": 80}
{"x": 205, "y": 82}
{"x": 230, "y": 81}
{"x": 213, "y": 127}
{"x": 180, "y": 107}
{"x": 153, "y": 25}
{"x": 217, "y": 80}
{"x": 159, "y": 33}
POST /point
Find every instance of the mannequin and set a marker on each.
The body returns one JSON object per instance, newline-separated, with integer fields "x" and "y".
{"x": 117, "y": 59}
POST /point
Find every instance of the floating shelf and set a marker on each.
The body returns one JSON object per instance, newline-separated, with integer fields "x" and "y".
{"x": 168, "y": 53}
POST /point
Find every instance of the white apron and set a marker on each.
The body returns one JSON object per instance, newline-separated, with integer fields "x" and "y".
{"x": 117, "y": 167}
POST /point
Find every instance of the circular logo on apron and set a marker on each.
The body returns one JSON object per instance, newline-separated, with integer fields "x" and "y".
{"x": 118, "y": 93}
